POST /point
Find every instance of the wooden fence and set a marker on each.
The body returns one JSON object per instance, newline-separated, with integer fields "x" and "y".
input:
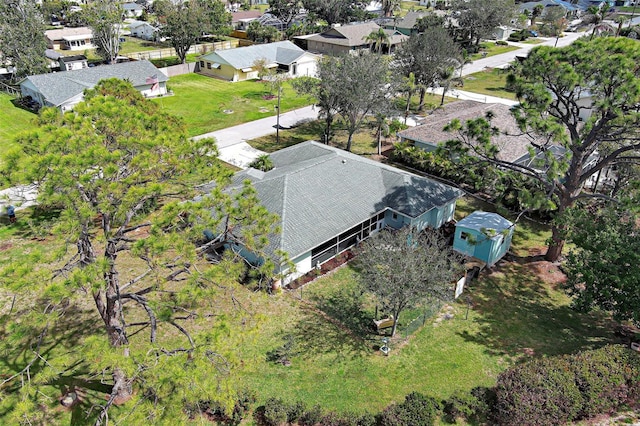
{"x": 199, "y": 49}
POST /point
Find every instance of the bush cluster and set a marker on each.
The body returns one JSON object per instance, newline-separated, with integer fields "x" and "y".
{"x": 519, "y": 35}
{"x": 558, "y": 390}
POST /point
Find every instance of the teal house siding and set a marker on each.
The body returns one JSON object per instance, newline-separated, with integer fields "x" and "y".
{"x": 484, "y": 236}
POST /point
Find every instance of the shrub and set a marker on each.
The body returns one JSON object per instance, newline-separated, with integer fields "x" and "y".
{"x": 501, "y": 43}
{"x": 416, "y": 410}
{"x": 311, "y": 417}
{"x": 275, "y": 412}
{"x": 561, "y": 389}
{"x": 295, "y": 411}
{"x": 474, "y": 406}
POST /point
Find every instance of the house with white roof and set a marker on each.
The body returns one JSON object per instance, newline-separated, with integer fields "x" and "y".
{"x": 144, "y": 30}
{"x": 64, "y": 90}
{"x": 329, "y": 199}
{"x": 484, "y": 236}
{"x": 239, "y": 64}
{"x": 80, "y": 38}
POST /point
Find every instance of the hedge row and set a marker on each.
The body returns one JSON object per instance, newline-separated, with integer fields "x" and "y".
{"x": 546, "y": 391}
{"x": 558, "y": 390}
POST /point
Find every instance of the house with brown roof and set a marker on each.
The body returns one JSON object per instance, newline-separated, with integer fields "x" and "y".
{"x": 511, "y": 141}
{"x": 352, "y": 37}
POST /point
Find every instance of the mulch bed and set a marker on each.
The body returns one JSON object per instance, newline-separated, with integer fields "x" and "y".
{"x": 326, "y": 267}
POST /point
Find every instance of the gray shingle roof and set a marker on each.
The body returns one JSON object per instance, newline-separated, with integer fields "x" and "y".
{"x": 282, "y": 52}
{"x": 60, "y": 86}
{"x": 355, "y": 34}
{"x": 320, "y": 191}
{"x": 511, "y": 142}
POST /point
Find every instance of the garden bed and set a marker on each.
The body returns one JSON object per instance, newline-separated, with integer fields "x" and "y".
{"x": 326, "y": 267}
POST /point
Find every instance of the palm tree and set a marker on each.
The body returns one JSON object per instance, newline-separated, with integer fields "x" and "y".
{"x": 446, "y": 76}
{"x": 378, "y": 38}
{"x": 410, "y": 85}
{"x": 597, "y": 15}
{"x": 262, "y": 162}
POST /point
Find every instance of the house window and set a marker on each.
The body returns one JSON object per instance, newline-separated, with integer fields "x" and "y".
{"x": 208, "y": 65}
{"x": 394, "y": 216}
{"x": 464, "y": 236}
{"x": 201, "y": 64}
{"x": 294, "y": 69}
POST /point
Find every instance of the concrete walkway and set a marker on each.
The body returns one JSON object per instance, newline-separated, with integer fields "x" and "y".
{"x": 232, "y": 141}
{"x": 470, "y": 96}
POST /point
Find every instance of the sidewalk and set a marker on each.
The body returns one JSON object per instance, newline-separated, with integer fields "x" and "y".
{"x": 470, "y": 96}
{"x": 232, "y": 141}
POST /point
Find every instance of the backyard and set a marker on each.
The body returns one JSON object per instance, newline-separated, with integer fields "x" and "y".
{"x": 13, "y": 120}
{"x": 513, "y": 312}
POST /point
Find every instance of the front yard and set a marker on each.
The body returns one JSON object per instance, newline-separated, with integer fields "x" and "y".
{"x": 208, "y": 104}
{"x": 491, "y": 82}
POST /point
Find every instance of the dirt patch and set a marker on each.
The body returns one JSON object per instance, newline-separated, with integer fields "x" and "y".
{"x": 548, "y": 272}
{"x": 5, "y": 246}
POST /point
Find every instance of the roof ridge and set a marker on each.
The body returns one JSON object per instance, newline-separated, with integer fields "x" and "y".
{"x": 284, "y": 210}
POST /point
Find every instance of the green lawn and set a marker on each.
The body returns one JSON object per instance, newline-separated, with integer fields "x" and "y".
{"x": 134, "y": 44}
{"x": 13, "y": 120}
{"x": 491, "y": 49}
{"x": 202, "y": 102}
{"x": 491, "y": 82}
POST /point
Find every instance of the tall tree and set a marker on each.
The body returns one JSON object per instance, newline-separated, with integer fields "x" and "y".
{"x": 324, "y": 95}
{"x": 105, "y": 19}
{"x": 554, "y": 21}
{"x": 426, "y": 55}
{"x": 363, "y": 87}
{"x": 479, "y": 18}
{"x": 404, "y": 269}
{"x": 557, "y": 89}
{"x": 285, "y": 10}
{"x": 604, "y": 268}
{"x": 335, "y": 11}
{"x": 22, "y": 42}
{"x": 185, "y": 21}
{"x": 104, "y": 167}
{"x": 389, "y": 7}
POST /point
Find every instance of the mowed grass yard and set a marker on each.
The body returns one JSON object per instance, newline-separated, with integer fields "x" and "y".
{"x": 202, "y": 102}
{"x": 512, "y": 313}
{"x": 13, "y": 120}
{"x": 492, "y": 82}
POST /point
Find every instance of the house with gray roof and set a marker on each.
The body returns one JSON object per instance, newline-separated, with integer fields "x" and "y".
{"x": 348, "y": 38}
{"x": 512, "y": 143}
{"x": 65, "y": 89}
{"x": 80, "y": 38}
{"x": 239, "y": 64}
{"x": 329, "y": 199}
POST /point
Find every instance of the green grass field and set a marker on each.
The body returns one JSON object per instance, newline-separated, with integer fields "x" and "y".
{"x": 202, "y": 101}
{"x": 491, "y": 49}
{"x": 490, "y": 82}
{"x": 13, "y": 120}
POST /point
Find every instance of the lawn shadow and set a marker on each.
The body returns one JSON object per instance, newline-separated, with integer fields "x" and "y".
{"x": 519, "y": 314}
{"x": 34, "y": 223}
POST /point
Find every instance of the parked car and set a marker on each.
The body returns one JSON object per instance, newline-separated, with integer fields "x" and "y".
{"x": 533, "y": 33}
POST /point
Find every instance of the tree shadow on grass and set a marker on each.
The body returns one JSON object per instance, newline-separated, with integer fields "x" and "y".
{"x": 33, "y": 223}
{"x": 62, "y": 338}
{"x": 519, "y": 314}
{"x": 318, "y": 333}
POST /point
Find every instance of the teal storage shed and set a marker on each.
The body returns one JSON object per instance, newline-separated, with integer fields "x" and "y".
{"x": 484, "y": 236}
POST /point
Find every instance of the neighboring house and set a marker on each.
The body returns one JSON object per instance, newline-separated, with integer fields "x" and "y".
{"x": 570, "y": 8}
{"x": 80, "y": 38}
{"x": 406, "y": 25}
{"x": 329, "y": 199}
{"x": 351, "y": 37}
{"x": 503, "y": 32}
{"x": 240, "y": 20}
{"x": 70, "y": 63}
{"x": 132, "y": 10}
{"x": 430, "y": 134}
{"x": 484, "y": 236}
{"x": 144, "y": 30}
{"x": 238, "y": 64}
{"x": 64, "y": 90}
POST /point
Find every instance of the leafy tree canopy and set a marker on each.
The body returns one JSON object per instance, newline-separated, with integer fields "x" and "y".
{"x": 118, "y": 170}
{"x": 21, "y": 37}
{"x": 404, "y": 269}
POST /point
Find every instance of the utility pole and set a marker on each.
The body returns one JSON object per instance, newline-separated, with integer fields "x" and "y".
{"x": 278, "y": 115}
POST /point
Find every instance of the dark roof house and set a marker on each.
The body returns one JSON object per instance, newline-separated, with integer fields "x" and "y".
{"x": 345, "y": 38}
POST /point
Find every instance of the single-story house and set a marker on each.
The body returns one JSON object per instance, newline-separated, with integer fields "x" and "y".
{"x": 241, "y": 19}
{"x": 132, "y": 10}
{"x": 407, "y": 23}
{"x": 430, "y": 133}
{"x": 503, "y": 32}
{"x": 70, "y": 63}
{"x": 80, "y": 38}
{"x": 64, "y": 90}
{"x": 238, "y": 64}
{"x": 484, "y": 236}
{"x": 143, "y": 30}
{"x": 329, "y": 199}
{"x": 351, "y": 37}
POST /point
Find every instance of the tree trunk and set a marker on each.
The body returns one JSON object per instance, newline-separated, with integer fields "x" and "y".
{"x": 406, "y": 111}
{"x": 444, "y": 90}
{"x": 556, "y": 244}
{"x": 379, "y": 139}
{"x": 423, "y": 92}
{"x": 349, "y": 141}
{"x": 122, "y": 389}
{"x": 327, "y": 130}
